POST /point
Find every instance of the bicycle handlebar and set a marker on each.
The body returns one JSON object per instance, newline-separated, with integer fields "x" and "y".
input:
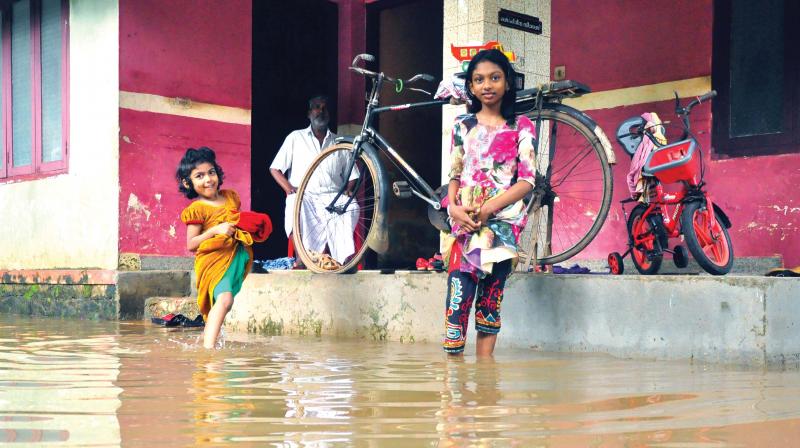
{"x": 363, "y": 56}
{"x": 684, "y": 111}
{"x": 705, "y": 97}
{"x": 370, "y": 58}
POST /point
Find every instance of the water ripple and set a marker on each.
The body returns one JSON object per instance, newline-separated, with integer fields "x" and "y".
{"x": 109, "y": 383}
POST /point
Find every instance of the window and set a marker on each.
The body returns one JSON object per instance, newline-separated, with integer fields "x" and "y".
{"x": 34, "y": 95}
{"x": 756, "y": 67}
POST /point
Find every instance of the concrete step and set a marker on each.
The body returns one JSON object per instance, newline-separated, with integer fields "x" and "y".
{"x": 159, "y": 306}
{"x": 134, "y": 287}
{"x": 729, "y": 319}
{"x": 741, "y": 266}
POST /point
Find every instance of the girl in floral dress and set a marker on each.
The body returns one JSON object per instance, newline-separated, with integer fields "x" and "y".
{"x": 492, "y": 169}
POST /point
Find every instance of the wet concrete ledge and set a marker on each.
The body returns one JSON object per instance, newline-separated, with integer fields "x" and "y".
{"x": 734, "y": 319}
{"x": 87, "y": 293}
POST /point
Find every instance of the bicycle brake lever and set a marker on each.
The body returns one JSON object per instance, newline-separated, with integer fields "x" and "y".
{"x": 420, "y": 90}
{"x": 422, "y": 76}
{"x": 363, "y": 56}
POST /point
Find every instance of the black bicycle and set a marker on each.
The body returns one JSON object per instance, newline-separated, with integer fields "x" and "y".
{"x": 343, "y": 200}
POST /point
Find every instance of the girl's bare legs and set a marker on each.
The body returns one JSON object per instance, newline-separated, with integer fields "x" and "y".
{"x": 215, "y": 319}
{"x": 485, "y": 344}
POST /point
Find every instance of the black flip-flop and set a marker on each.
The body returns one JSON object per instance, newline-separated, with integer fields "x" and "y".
{"x": 197, "y": 322}
{"x": 169, "y": 320}
{"x": 784, "y": 272}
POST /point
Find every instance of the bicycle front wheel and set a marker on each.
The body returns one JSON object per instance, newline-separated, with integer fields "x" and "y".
{"x": 330, "y": 233}
{"x": 573, "y": 190}
{"x": 708, "y": 240}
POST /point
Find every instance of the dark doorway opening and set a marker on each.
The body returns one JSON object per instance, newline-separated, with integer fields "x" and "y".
{"x": 406, "y": 38}
{"x": 295, "y": 56}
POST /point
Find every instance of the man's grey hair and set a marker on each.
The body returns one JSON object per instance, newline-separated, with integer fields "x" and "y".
{"x": 316, "y": 98}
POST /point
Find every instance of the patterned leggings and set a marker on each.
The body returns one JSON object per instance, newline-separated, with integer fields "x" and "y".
{"x": 462, "y": 287}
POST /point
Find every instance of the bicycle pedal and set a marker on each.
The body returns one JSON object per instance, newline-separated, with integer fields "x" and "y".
{"x": 401, "y": 189}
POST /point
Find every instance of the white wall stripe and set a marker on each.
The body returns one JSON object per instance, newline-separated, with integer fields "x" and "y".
{"x": 651, "y": 93}
{"x": 184, "y": 107}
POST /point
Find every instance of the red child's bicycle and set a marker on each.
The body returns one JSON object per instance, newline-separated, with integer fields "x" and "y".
{"x": 659, "y": 216}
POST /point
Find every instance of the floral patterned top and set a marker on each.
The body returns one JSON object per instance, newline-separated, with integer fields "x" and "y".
{"x": 487, "y": 161}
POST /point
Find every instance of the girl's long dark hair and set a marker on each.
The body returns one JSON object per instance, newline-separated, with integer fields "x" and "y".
{"x": 509, "y": 98}
{"x": 190, "y": 160}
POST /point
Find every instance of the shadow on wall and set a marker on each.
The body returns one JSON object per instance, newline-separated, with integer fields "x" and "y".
{"x": 288, "y": 69}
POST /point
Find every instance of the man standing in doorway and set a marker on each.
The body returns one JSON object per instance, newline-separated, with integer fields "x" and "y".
{"x": 289, "y": 167}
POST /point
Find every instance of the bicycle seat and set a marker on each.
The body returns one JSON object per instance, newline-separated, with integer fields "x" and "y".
{"x": 557, "y": 89}
{"x": 629, "y": 134}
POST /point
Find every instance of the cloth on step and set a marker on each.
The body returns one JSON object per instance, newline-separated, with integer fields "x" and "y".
{"x": 574, "y": 269}
{"x": 654, "y": 127}
{"x": 257, "y": 224}
{"x": 277, "y": 264}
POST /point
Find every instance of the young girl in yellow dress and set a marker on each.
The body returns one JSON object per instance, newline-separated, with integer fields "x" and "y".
{"x": 223, "y": 255}
{"x": 492, "y": 169}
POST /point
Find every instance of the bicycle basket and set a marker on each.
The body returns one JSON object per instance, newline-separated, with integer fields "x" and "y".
{"x": 674, "y": 163}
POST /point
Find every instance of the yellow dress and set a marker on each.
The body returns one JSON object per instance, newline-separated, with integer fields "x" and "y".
{"x": 214, "y": 256}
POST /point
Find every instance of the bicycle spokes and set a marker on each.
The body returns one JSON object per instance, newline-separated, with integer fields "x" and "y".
{"x": 572, "y": 191}
{"x": 710, "y": 236}
{"x": 335, "y": 212}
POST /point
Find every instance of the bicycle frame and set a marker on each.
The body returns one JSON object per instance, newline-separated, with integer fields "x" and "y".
{"x": 369, "y": 136}
{"x": 672, "y": 221}
{"x": 423, "y": 190}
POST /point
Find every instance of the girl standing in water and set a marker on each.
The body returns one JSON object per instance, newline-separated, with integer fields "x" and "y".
{"x": 492, "y": 169}
{"x": 223, "y": 255}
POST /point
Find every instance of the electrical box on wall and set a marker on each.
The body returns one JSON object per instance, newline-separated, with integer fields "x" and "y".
{"x": 560, "y": 73}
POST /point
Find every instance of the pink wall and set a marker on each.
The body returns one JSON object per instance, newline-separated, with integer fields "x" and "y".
{"x": 153, "y": 145}
{"x": 198, "y": 49}
{"x": 352, "y": 41}
{"x": 610, "y": 44}
{"x": 195, "y": 49}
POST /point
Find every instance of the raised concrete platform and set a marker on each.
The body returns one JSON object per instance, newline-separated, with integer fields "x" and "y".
{"x": 134, "y": 287}
{"x": 733, "y": 319}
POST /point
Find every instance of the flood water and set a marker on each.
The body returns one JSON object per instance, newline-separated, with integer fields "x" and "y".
{"x": 86, "y": 383}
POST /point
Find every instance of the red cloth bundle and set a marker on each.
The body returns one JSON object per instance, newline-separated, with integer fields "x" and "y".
{"x": 256, "y": 224}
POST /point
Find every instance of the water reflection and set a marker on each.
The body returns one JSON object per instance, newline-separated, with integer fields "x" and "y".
{"x": 129, "y": 383}
{"x": 58, "y": 385}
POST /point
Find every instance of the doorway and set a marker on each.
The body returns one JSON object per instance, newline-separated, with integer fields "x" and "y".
{"x": 295, "y": 56}
{"x": 406, "y": 38}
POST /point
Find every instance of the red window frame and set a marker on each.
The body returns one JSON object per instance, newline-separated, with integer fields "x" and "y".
{"x": 37, "y": 168}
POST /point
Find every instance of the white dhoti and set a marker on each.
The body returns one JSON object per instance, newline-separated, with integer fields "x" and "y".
{"x": 288, "y": 215}
{"x": 323, "y": 228}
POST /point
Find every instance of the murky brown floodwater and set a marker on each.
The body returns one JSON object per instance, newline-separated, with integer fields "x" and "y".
{"x": 130, "y": 383}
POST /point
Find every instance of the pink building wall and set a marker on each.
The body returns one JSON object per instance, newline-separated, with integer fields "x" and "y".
{"x": 352, "y": 41}
{"x": 199, "y": 50}
{"x": 609, "y": 44}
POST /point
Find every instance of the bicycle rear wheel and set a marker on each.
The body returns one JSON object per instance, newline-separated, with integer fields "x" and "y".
{"x": 331, "y": 237}
{"x": 573, "y": 190}
{"x": 646, "y": 250}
